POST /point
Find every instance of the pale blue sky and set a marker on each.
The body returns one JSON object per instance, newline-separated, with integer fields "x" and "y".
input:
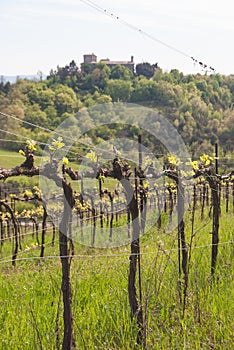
{"x": 41, "y": 34}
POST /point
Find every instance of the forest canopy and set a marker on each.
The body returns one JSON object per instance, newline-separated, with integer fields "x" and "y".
{"x": 199, "y": 106}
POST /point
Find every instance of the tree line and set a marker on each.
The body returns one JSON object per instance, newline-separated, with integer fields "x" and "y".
{"x": 199, "y": 106}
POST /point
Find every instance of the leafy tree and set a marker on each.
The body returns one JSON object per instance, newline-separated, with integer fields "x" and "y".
{"x": 226, "y": 132}
{"x": 202, "y": 85}
{"x": 42, "y": 95}
{"x": 177, "y": 76}
{"x": 100, "y": 75}
{"x": 51, "y": 113}
{"x": 64, "y": 103}
{"x": 35, "y": 115}
{"x": 121, "y": 72}
{"x": 5, "y": 87}
{"x": 96, "y": 80}
{"x": 69, "y": 71}
{"x": 146, "y": 69}
{"x": 144, "y": 90}
{"x": 199, "y": 106}
{"x": 88, "y": 101}
{"x": 101, "y": 98}
{"x": 168, "y": 94}
{"x": 66, "y": 100}
{"x": 10, "y": 125}
{"x": 87, "y": 68}
{"x": 119, "y": 90}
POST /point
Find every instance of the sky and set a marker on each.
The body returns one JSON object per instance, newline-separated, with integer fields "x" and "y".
{"x": 39, "y": 35}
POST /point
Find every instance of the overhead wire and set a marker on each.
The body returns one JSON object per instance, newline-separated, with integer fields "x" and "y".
{"x": 82, "y": 143}
{"x": 37, "y": 141}
{"x": 120, "y": 255}
{"x": 106, "y": 12}
{"x": 46, "y": 144}
{"x": 22, "y": 235}
{"x": 110, "y": 14}
{"x": 29, "y": 249}
{"x": 16, "y": 141}
{"x": 87, "y": 146}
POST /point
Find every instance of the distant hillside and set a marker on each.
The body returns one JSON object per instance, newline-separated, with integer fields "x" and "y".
{"x": 200, "y": 107}
{"x": 12, "y": 78}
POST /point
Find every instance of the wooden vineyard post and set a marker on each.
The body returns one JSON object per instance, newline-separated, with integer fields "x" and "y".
{"x": 215, "y": 227}
{"x": 203, "y": 200}
{"x": 174, "y": 174}
{"x": 159, "y": 206}
{"x": 43, "y": 231}
{"x": 121, "y": 172}
{"x": 136, "y": 308}
{"x": 101, "y": 205}
{"x": 68, "y": 339}
{"x": 111, "y": 197}
{"x": 182, "y": 246}
{"x": 143, "y": 198}
{"x": 227, "y": 196}
{"x": 216, "y": 159}
{"x": 49, "y": 170}
{"x": 233, "y": 196}
{"x": 16, "y": 231}
{"x": 215, "y": 191}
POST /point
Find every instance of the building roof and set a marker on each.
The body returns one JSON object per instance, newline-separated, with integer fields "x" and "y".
{"x": 90, "y": 54}
{"x": 107, "y": 61}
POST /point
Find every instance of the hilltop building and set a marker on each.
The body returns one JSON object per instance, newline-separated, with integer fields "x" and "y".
{"x": 92, "y": 58}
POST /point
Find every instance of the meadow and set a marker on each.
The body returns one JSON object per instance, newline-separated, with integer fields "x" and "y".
{"x": 31, "y": 305}
{"x": 31, "y": 314}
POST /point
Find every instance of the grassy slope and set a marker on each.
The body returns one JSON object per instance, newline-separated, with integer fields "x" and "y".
{"x": 30, "y": 294}
{"x": 10, "y": 159}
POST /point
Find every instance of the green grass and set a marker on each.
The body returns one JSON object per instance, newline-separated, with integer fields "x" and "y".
{"x": 30, "y": 294}
{"x": 10, "y": 159}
